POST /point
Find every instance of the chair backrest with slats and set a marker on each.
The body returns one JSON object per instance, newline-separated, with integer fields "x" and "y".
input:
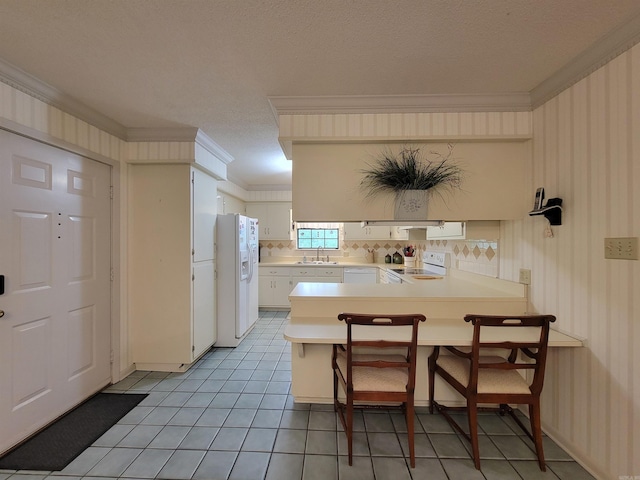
{"x": 527, "y": 334}
{"x": 385, "y": 338}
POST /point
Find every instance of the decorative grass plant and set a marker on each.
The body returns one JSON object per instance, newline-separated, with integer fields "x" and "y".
{"x": 410, "y": 169}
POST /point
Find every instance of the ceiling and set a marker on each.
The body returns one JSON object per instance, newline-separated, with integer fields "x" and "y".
{"x": 214, "y": 64}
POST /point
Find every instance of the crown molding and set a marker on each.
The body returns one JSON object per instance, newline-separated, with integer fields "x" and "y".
{"x": 212, "y": 147}
{"x": 30, "y": 85}
{"x": 599, "y": 54}
{"x": 344, "y": 104}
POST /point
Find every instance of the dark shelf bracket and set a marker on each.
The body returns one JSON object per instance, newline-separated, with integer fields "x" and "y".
{"x": 552, "y": 211}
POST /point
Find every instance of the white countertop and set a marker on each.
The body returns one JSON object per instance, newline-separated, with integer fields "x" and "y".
{"x": 438, "y": 331}
{"x": 343, "y": 262}
{"x": 449, "y": 288}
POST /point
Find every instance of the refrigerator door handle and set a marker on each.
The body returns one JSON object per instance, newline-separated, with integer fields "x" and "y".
{"x": 251, "y": 256}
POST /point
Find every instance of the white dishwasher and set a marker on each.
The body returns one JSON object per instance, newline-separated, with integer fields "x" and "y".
{"x": 360, "y": 275}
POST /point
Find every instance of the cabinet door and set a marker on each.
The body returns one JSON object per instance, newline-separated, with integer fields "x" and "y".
{"x": 302, "y": 275}
{"x": 331, "y": 274}
{"x": 259, "y": 211}
{"x": 398, "y": 233}
{"x": 279, "y": 221}
{"x": 204, "y": 321}
{"x": 204, "y": 207}
{"x": 354, "y": 231}
{"x": 274, "y": 287}
{"x": 450, "y": 230}
{"x": 265, "y": 290}
{"x": 377, "y": 233}
{"x": 281, "y": 290}
{"x": 274, "y": 219}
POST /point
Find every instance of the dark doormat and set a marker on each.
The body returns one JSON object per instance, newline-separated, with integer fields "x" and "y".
{"x": 58, "y": 444}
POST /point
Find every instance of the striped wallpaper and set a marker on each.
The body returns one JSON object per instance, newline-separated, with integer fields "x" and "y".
{"x": 393, "y": 126}
{"x": 586, "y": 150}
{"x": 30, "y": 112}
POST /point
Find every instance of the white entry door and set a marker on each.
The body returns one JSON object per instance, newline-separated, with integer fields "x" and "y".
{"x": 55, "y": 238}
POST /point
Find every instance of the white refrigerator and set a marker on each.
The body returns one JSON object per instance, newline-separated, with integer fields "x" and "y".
{"x": 237, "y": 277}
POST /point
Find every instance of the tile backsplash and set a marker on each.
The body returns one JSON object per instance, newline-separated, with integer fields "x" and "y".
{"x": 476, "y": 256}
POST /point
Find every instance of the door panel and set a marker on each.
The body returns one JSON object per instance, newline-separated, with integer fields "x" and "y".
{"x": 32, "y": 351}
{"x": 204, "y": 324}
{"x": 82, "y": 258}
{"x": 81, "y": 334}
{"x": 55, "y": 231}
{"x": 32, "y": 250}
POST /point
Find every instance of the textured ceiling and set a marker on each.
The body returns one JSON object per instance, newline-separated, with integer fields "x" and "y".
{"x": 213, "y": 64}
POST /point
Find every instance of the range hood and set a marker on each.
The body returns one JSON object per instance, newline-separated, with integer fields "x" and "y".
{"x": 405, "y": 224}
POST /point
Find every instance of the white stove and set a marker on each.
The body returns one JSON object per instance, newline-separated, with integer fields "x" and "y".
{"x": 433, "y": 263}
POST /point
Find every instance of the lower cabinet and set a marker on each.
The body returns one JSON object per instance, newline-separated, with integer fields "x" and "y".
{"x": 331, "y": 274}
{"x": 316, "y": 274}
{"x": 274, "y": 286}
{"x": 275, "y": 283}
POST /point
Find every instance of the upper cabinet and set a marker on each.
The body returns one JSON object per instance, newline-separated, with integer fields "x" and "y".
{"x": 399, "y": 233}
{"x": 448, "y": 230}
{"x": 354, "y": 231}
{"x": 326, "y": 182}
{"x": 473, "y": 230}
{"x": 274, "y": 219}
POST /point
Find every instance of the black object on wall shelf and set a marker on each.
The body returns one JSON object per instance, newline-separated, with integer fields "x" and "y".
{"x": 552, "y": 211}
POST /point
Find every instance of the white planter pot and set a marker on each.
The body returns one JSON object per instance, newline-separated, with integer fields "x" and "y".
{"x": 411, "y": 205}
{"x": 410, "y": 262}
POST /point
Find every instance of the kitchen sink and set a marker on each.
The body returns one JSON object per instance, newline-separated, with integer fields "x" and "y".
{"x": 317, "y": 262}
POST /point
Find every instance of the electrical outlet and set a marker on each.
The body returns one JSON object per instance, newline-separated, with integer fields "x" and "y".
{"x": 525, "y": 276}
{"x": 624, "y": 248}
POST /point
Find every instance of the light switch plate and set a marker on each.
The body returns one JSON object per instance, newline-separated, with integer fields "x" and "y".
{"x": 622, "y": 248}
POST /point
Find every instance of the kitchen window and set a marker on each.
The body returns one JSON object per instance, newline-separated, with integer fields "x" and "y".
{"x": 317, "y": 237}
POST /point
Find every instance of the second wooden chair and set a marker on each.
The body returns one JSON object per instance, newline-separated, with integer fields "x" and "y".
{"x": 488, "y": 378}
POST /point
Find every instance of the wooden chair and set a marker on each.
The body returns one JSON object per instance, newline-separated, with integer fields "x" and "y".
{"x": 491, "y": 379}
{"x": 374, "y": 372}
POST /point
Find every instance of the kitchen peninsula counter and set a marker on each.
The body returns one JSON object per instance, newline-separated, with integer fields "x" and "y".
{"x": 314, "y": 326}
{"x": 451, "y": 296}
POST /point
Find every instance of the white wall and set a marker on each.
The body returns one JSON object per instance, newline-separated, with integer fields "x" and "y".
{"x": 586, "y": 150}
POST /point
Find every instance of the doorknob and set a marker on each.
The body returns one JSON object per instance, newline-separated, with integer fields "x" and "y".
{"x": 1, "y": 313}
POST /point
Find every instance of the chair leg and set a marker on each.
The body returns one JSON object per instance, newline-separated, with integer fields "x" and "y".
{"x": 432, "y": 381}
{"x": 349, "y": 427}
{"x": 536, "y": 431}
{"x": 335, "y": 391}
{"x": 472, "y": 413}
{"x": 409, "y": 414}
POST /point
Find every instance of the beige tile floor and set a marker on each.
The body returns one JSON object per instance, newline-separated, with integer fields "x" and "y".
{"x": 231, "y": 417}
